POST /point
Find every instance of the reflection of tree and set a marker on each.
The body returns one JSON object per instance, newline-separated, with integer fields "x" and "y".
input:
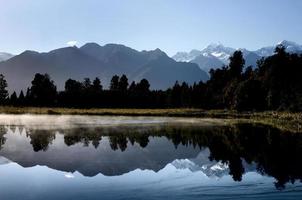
{"x": 84, "y": 136}
{"x": 95, "y": 143}
{"x": 118, "y": 141}
{"x": 2, "y": 138}
{"x": 40, "y": 139}
{"x": 275, "y": 153}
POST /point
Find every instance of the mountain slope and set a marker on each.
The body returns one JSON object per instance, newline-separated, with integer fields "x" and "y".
{"x": 119, "y": 58}
{"x": 186, "y": 57}
{"x": 207, "y": 62}
{"x": 93, "y": 60}
{"x": 165, "y": 71}
{"x": 250, "y": 58}
{"x": 60, "y": 64}
{"x": 5, "y": 56}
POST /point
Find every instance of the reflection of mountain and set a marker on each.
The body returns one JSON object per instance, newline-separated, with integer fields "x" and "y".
{"x": 202, "y": 164}
{"x": 210, "y": 168}
{"x": 115, "y": 151}
{"x": 4, "y": 160}
{"x": 89, "y": 160}
{"x": 167, "y": 183}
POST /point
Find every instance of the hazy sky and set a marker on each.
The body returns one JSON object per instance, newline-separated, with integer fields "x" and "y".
{"x": 171, "y": 25}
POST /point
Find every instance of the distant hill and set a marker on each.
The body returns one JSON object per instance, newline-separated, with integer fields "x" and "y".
{"x": 93, "y": 60}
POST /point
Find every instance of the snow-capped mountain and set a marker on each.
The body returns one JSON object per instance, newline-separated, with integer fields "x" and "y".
{"x": 214, "y": 56}
{"x": 5, "y": 56}
{"x": 219, "y": 51}
{"x": 217, "y": 55}
{"x": 186, "y": 56}
{"x": 291, "y": 47}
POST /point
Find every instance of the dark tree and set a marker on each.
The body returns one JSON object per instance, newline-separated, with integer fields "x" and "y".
{"x": 27, "y": 97}
{"x": 250, "y": 95}
{"x": 72, "y": 86}
{"x": 123, "y": 83}
{"x": 132, "y": 86}
{"x": 175, "y": 96}
{"x": 3, "y": 90}
{"x": 72, "y": 95}
{"x": 281, "y": 77}
{"x": 219, "y": 79}
{"x": 21, "y": 99}
{"x": 236, "y": 64}
{"x": 199, "y": 95}
{"x": 143, "y": 86}
{"x": 185, "y": 96}
{"x": 87, "y": 84}
{"x": 114, "y": 84}
{"x": 13, "y": 100}
{"x": 43, "y": 91}
{"x": 140, "y": 92}
{"x": 96, "y": 85}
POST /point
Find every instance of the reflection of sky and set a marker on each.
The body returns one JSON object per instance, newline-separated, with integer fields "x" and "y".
{"x": 157, "y": 171}
{"x": 40, "y": 181}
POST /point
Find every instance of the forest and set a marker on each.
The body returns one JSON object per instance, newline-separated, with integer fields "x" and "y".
{"x": 274, "y": 84}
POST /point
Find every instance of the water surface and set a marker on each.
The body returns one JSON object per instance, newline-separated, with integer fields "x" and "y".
{"x": 86, "y": 157}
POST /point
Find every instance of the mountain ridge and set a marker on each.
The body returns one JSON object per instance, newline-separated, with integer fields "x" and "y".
{"x": 92, "y": 60}
{"x": 213, "y": 53}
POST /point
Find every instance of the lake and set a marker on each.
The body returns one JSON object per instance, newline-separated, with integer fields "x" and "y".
{"x": 91, "y": 157}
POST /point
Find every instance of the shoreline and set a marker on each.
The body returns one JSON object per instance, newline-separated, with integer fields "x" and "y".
{"x": 283, "y": 120}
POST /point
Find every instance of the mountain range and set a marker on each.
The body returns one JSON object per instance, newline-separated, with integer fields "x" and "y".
{"x": 93, "y": 60}
{"x": 217, "y": 55}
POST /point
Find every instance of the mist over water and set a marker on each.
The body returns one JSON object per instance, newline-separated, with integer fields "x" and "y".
{"x": 72, "y": 121}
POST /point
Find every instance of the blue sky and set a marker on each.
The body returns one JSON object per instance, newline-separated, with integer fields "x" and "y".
{"x": 171, "y": 25}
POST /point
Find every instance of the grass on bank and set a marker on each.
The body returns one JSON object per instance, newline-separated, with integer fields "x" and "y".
{"x": 282, "y": 120}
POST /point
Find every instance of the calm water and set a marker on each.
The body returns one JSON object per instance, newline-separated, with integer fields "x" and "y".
{"x": 82, "y": 157}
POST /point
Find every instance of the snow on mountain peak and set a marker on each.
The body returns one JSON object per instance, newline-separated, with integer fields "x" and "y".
{"x": 289, "y": 46}
{"x": 185, "y": 56}
{"x": 287, "y": 43}
{"x": 219, "y": 51}
{"x": 205, "y": 58}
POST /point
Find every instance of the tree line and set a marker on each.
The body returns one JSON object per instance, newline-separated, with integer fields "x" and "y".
{"x": 275, "y": 84}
